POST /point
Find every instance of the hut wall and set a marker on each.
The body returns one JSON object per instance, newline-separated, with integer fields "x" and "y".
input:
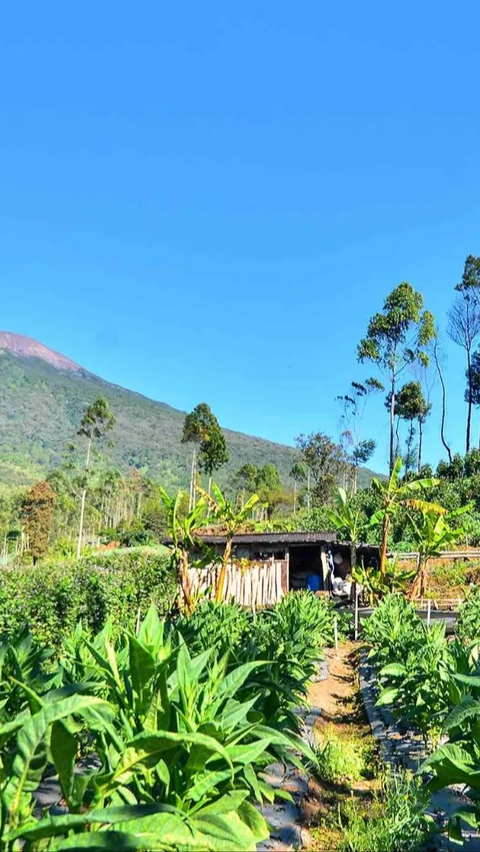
{"x": 261, "y": 585}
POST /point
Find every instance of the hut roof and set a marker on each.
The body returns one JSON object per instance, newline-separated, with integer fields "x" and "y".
{"x": 271, "y": 538}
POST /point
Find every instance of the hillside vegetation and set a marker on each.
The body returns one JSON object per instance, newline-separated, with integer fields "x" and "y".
{"x": 41, "y": 407}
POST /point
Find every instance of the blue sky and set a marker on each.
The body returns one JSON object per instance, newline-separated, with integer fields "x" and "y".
{"x": 207, "y": 201}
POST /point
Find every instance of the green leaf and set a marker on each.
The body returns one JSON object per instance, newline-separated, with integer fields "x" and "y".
{"x": 225, "y": 832}
{"x": 31, "y": 757}
{"x": 151, "y": 629}
{"x": 232, "y": 683}
{"x": 393, "y": 670}
{"x": 52, "y": 826}
{"x": 467, "y": 709}
{"x": 244, "y": 754}
{"x": 63, "y": 747}
{"x": 454, "y": 830}
{"x": 387, "y": 696}
{"x": 206, "y": 783}
{"x": 146, "y": 744}
{"x": 142, "y": 665}
{"x": 255, "y": 821}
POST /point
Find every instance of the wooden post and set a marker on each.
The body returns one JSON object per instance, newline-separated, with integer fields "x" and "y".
{"x": 429, "y": 611}
{"x": 335, "y": 632}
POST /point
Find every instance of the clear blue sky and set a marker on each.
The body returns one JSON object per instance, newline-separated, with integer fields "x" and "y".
{"x": 207, "y": 201}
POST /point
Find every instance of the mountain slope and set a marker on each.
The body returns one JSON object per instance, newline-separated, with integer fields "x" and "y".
{"x": 42, "y": 400}
{"x": 43, "y": 395}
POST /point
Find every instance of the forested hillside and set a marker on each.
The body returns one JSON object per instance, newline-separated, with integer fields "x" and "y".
{"x": 41, "y": 407}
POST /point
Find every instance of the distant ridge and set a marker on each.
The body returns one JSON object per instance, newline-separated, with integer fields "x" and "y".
{"x": 27, "y": 347}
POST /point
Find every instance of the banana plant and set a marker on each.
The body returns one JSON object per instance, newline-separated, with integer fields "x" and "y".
{"x": 182, "y": 529}
{"x": 369, "y": 578}
{"x": 393, "y": 496}
{"x": 348, "y": 521}
{"x": 432, "y": 533}
{"x": 232, "y": 518}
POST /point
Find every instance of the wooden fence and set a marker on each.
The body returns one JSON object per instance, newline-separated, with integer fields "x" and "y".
{"x": 259, "y": 585}
{"x": 472, "y": 553}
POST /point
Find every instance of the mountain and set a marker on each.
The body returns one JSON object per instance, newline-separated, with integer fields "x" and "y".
{"x": 43, "y": 395}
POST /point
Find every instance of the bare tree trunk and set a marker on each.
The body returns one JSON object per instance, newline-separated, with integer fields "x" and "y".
{"x": 470, "y": 400}
{"x": 223, "y": 571}
{"x": 392, "y": 427}
{"x": 209, "y": 494}
{"x": 191, "y": 500}
{"x": 420, "y": 440}
{"x": 444, "y": 402}
{"x": 384, "y": 545}
{"x": 84, "y": 497}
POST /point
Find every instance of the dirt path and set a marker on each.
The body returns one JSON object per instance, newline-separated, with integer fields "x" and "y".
{"x": 343, "y": 718}
{"x": 335, "y": 694}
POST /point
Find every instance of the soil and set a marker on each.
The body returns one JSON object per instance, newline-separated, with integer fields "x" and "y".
{"x": 339, "y": 699}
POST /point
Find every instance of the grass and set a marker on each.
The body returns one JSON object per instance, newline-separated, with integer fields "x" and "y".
{"x": 355, "y": 804}
{"x": 343, "y": 757}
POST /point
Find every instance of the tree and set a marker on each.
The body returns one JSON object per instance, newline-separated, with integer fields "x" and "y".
{"x": 464, "y": 328}
{"x": 354, "y": 404}
{"x": 411, "y": 406}
{"x": 36, "y": 514}
{"x": 470, "y": 282}
{"x": 96, "y": 422}
{"x": 325, "y": 460}
{"x": 213, "y": 452}
{"x": 298, "y": 473}
{"x": 245, "y": 479}
{"x": 226, "y": 513}
{"x": 475, "y": 379}
{"x": 271, "y": 493}
{"x": 197, "y": 429}
{"x": 395, "y": 339}
{"x": 393, "y": 495}
{"x": 439, "y": 358}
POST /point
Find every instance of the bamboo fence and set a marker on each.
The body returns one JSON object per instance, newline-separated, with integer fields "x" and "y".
{"x": 258, "y": 585}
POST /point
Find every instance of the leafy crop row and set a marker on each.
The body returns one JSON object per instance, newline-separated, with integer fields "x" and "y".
{"x": 177, "y": 735}
{"x": 434, "y": 684}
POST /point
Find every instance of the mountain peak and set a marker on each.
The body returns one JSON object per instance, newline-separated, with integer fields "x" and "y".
{"x": 27, "y": 347}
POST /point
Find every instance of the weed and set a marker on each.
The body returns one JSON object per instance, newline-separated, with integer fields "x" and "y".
{"x": 400, "y": 826}
{"x": 342, "y": 758}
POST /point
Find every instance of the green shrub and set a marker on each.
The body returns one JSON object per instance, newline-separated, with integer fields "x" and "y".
{"x": 339, "y": 759}
{"x": 222, "y": 626}
{"x": 392, "y": 630}
{"x": 467, "y": 627}
{"x": 50, "y": 599}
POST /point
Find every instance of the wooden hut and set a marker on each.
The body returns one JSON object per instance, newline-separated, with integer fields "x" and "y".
{"x": 265, "y": 566}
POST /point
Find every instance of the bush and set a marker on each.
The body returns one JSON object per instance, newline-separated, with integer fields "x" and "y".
{"x": 49, "y": 600}
{"x": 392, "y": 630}
{"x": 339, "y": 758}
{"x": 222, "y": 626}
{"x": 467, "y": 627}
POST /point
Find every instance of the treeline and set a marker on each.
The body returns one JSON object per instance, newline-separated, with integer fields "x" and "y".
{"x": 85, "y": 501}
